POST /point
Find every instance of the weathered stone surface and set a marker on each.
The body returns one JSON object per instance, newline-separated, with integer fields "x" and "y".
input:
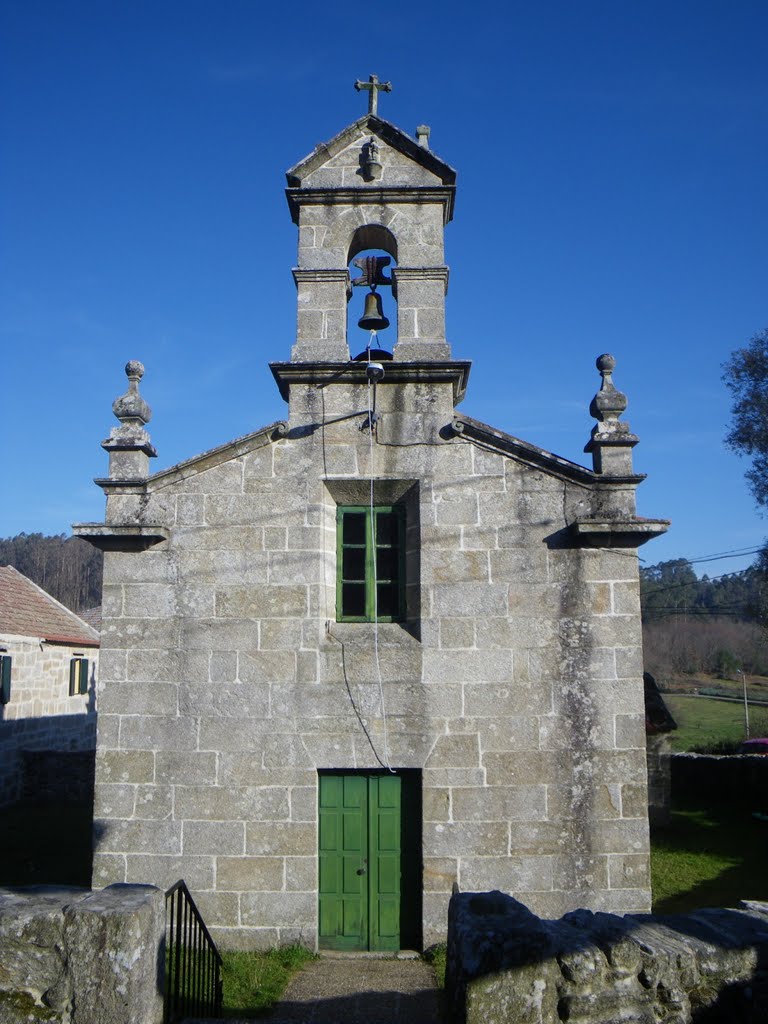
{"x": 124, "y": 766}
{"x": 33, "y": 959}
{"x": 197, "y": 871}
{"x": 125, "y": 983}
{"x": 505, "y": 964}
{"x": 117, "y": 835}
{"x": 249, "y": 874}
{"x": 278, "y": 909}
{"x": 79, "y": 957}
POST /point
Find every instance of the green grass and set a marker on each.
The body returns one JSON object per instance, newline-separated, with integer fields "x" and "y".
{"x": 708, "y": 857}
{"x": 704, "y": 722}
{"x": 435, "y": 956}
{"x": 254, "y": 981}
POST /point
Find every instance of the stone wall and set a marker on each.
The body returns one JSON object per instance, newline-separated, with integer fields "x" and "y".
{"x": 227, "y": 685}
{"x": 505, "y": 964}
{"x": 41, "y": 715}
{"x": 72, "y": 956}
{"x": 736, "y": 778}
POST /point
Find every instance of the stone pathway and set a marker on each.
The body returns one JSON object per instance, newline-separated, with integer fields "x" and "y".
{"x": 340, "y": 989}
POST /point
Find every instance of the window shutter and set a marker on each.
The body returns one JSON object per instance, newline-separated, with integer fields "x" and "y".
{"x": 5, "y": 678}
{"x": 78, "y": 676}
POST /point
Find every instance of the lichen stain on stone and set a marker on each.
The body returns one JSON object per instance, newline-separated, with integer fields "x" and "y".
{"x": 578, "y": 710}
{"x": 22, "y": 1008}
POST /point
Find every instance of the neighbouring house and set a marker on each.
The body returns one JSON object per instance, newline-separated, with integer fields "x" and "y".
{"x": 48, "y": 663}
{"x": 357, "y": 657}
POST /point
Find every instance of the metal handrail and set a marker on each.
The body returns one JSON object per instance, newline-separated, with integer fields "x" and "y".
{"x": 192, "y": 961}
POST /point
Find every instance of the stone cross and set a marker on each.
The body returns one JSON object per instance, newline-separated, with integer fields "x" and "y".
{"x": 373, "y": 87}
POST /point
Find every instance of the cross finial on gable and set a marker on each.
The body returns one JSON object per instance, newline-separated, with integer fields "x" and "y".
{"x": 373, "y": 87}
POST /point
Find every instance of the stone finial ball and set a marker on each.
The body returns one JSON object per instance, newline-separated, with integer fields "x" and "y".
{"x": 605, "y": 363}
{"x": 134, "y": 368}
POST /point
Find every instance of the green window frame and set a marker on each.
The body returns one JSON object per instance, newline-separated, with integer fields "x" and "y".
{"x": 5, "y": 678}
{"x": 78, "y": 676}
{"x": 369, "y": 590}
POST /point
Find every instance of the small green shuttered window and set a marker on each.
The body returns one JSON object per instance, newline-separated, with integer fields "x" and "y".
{"x": 370, "y": 577}
{"x": 78, "y": 676}
{"x": 5, "y": 678}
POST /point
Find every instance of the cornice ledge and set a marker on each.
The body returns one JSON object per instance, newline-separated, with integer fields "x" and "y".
{"x": 426, "y": 371}
{"x": 617, "y": 533}
{"x": 129, "y": 537}
{"x": 320, "y": 274}
{"x": 120, "y": 485}
{"x": 380, "y": 195}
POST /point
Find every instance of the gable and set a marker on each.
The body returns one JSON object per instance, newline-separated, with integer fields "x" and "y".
{"x": 338, "y": 163}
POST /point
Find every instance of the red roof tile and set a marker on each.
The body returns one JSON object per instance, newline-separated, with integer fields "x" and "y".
{"x": 26, "y": 610}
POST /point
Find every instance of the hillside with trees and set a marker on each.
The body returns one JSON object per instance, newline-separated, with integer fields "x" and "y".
{"x": 68, "y": 568}
{"x": 703, "y": 626}
{"x": 718, "y": 626}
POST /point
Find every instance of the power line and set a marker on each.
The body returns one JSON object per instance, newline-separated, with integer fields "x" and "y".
{"x": 730, "y": 553}
{"x": 693, "y": 583}
{"x": 717, "y": 558}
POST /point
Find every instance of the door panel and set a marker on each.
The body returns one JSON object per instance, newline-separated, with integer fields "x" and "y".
{"x": 360, "y": 861}
{"x": 384, "y": 886}
{"x": 343, "y": 842}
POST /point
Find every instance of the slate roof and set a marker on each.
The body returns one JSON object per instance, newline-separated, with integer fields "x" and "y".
{"x": 27, "y": 610}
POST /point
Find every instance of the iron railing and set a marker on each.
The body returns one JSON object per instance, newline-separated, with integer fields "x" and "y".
{"x": 192, "y": 962}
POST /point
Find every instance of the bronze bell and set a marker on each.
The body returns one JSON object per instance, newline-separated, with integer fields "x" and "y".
{"x": 373, "y": 318}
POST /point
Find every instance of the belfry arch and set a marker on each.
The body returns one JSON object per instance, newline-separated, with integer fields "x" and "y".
{"x": 371, "y": 262}
{"x": 372, "y": 236}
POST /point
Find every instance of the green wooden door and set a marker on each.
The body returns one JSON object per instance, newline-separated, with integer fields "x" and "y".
{"x": 360, "y": 829}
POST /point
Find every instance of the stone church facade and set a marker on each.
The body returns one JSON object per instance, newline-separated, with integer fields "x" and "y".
{"x": 379, "y": 649}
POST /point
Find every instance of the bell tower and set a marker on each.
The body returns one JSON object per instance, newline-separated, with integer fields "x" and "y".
{"x": 371, "y": 188}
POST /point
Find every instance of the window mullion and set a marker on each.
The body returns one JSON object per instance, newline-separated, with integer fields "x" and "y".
{"x": 340, "y": 560}
{"x": 370, "y": 565}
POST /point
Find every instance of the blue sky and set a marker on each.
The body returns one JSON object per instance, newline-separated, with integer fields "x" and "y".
{"x": 612, "y": 168}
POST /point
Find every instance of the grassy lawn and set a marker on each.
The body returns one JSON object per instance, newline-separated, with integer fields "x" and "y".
{"x": 703, "y": 721}
{"x": 253, "y": 982}
{"x": 710, "y": 857}
{"x": 715, "y": 855}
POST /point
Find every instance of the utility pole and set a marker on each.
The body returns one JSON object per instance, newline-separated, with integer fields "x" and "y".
{"x": 746, "y": 705}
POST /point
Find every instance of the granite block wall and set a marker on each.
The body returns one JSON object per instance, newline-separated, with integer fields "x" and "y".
{"x": 514, "y": 685}
{"x": 507, "y": 964}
